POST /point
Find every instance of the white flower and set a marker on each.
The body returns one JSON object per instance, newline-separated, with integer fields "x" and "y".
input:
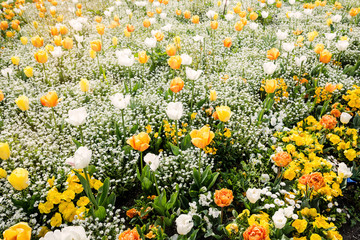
{"x": 79, "y": 38}
{"x": 297, "y": 15}
{"x": 264, "y": 14}
{"x": 152, "y": 160}
{"x": 193, "y": 74}
{"x": 107, "y": 13}
{"x": 269, "y": 67}
{"x": 186, "y": 59}
{"x": 140, "y": 4}
{"x": 199, "y": 38}
{"x": 288, "y": 47}
{"x": 75, "y": 24}
{"x": 214, "y": 212}
{"x": 152, "y": 20}
{"x": 210, "y": 14}
{"x": 279, "y": 219}
{"x": 77, "y": 116}
{"x": 174, "y": 110}
{"x": 343, "y": 169}
{"x": 253, "y": 26}
{"x": 308, "y": 11}
{"x": 281, "y": 35}
{"x": 253, "y": 194}
{"x": 330, "y": 36}
{"x": 184, "y": 224}
{"x": 264, "y": 178}
{"x": 125, "y": 58}
{"x": 262, "y": 5}
{"x": 82, "y": 20}
{"x": 150, "y": 42}
{"x": 57, "y": 52}
{"x": 345, "y": 118}
{"x": 336, "y": 18}
{"x": 72, "y": 232}
{"x": 128, "y": 11}
{"x": 291, "y": 2}
{"x": 289, "y": 211}
{"x": 229, "y": 17}
{"x": 6, "y": 71}
{"x": 119, "y": 101}
{"x": 163, "y": 16}
{"x": 300, "y": 60}
{"x": 342, "y": 45}
{"x": 270, "y": 1}
{"x": 81, "y": 158}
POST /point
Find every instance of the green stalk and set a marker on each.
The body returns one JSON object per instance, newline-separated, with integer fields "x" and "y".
{"x": 156, "y": 184}
{"x": 200, "y": 160}
{"x": 53, "y": 115}
{"x": 91, "y": 196}
{"x": 123, "y": 125}
{"x": 81, "y": 135}
{"x": 176, "y": 133}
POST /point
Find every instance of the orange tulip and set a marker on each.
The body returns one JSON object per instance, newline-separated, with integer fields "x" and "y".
{"x": 159, "y": 36}
{"x": 255, "y": 232}
{"x": 273, "y": 54}
{"x": 95, "y": 45}
{"x": 239, "y": 26}
{"x": 187, "y": 14}
{"x": 328, "y": 122}
{"x": 330, "y": 87}
{"x": 57, "y": 40}
{"x": 50, "y": 99}
{"x": 41, "y": 56}
{"x": 282, "y": 159}
{"x": 214, "y": 25}
{"x": 129, "y": 235}
{"x": 143, "y": 57}
{"x": 178, "y": 12}
{"x": 195, "y": 19}
{"x": 68, "y": 43}
{"x": 20, "y": 231}
{"x": 100, "y": 28}
{"x": 227, "y": 42}
{"x": 98, "y": 19}
{"x": 270, "y": 86}
{"x": 146, "y": 23}
{"x": 223, "y": 197}
{"x": 2, "y": 95}
{"x": 37, "y": 41}
{"x": 54, "y": 31}
{"x": 316, "y": 181}
{"x": 130, "y": 28}
{"x": 150, "y": 14}
{"x": 201, "y": 138}
{"x": 63, "y": 30}
{"x": 139, "y": 142}
{"x": 175, "y": 62}
{"x": 253, "y": 16}
{"x": 4, "y": 25}
{"x": 176, "y": 85}
{"x": 325, "y": 56}
{"x": 171, "y": 50}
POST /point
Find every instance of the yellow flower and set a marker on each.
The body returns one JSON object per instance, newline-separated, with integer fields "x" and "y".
{"x": 15, "y": 60}
{"x": 92, "y": 53}
{"x": 300, "y": 225}
{"x": 201, "y": 138}
{"x": 309, "y": 212}
{"x": 289, "y": 174}
{"x": 24, "y": 40}
{"x": 315, "y": 236}
{"x": 232, "y": 228}
{"x": 3, "y": 173}
{"x": 270, "y": 86}
{"x": 84, "y": 85}
{"x": 45, "y": 207}
{"x": 193, "y": 115}
{"x": 97, "y": 184}
{"x": 54, "y": 196}
{"x": 4, "y": 151}
{"x": 20, "y": 231}
{"x": 19, "y": 178}
{"x": 82, "y": 202}
{"x": 56, "y": 220}
{"x": 22, "y": 102}
{"x": 213, "y": 95}
{"x": 51, "y": 181}
{"x": 148, "y": 129}
{"x": 28, "y": 71}
{"x": 350, "y": 154}
{"x": 312, "y": 35}
{"x": 224, "y": 113}
{"x": 68, "y": 195}
{"x": 114, "y": 41}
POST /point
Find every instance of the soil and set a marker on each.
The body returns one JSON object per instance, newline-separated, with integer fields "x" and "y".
{"x": 350, "y": 233}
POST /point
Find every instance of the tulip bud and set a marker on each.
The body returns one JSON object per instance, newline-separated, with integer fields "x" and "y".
{"x": 171, "y": 50}
{"x": 100, "y": 28}
{"x": 68, "y": 43}
{"x": 24, "y": 40}
{"x": 114, "y": 41}
{"x": 227, "y": 42}
{"x": 37, "y": 41}
{"x": 270, "y": 86}
{"x": 4, "y": 151}
{"x": 84, "y": 85}
{"x": 41, "y": 56}
{"x": 28, "y": 71}
{"x": 35, "y": 24}
{"x": 213, "y": 95}
{"x": 19, "y": 179}
{"x": 22, "y": 102}
{"x": 1, "y": 96}
{"x": 92, "y": 53}
{"x": 345, "y": 118}
{"x": 15, "y": 60}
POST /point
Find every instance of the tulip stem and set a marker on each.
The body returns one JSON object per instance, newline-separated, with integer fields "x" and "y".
{"x": 91, "y": 196}
{"x": 53, "y": 114}
{"x": 81, "y": 135}
{"x": 200, "y": 160}
{"x": 192, "y": 96}
{"x": 123, "y": 125}
{"x": 222, "y": 215}
{"x": 156, "y": 184}
{"x": 141, "y": 161}
{"x": 176, "y": 133}
{"x": 45, "y": 74}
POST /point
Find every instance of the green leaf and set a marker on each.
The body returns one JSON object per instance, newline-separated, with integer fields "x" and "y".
{"x": 174, "y": 149}
{"x": 77, "y": 143}
{"x": 104, "y": 192}
{"x": 100, "y": 213}
{"x": 91, "y": 169}
{"x": 186, "y": 142}
{"x": 134, "y": 128}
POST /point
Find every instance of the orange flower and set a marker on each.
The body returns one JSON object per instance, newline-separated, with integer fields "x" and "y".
{"x": 41, "y": 56}
{"x": 139, "y": 142}
{"x": 37, "y": 41}
{"x": 304, "y": 179}
{"x": 176, "y": 85}
{"x": 270, "y": 86}
{"x": 175, "y": 62}
{"x": 282, "y": 159}
{"x": 215, "y": 116}
{"x": 98, "y": 19}
{"x": 253, "y": 16}
{"x": 50, "y": 99}
{"x": 132, "y": 213}
{"x": 316, "y": 181}
{"x": 57, "y": 40}
{"x": 223, "y": 197}
{"x": 63, "y": 30}
{"x": 95, "y": 45}
{"x": 255, "y": 232}
{"x": 130, "y": 28}
{"x": 239, "y": 26}
{"x": 143, "y": 57}
{"x": 187, "y": 14}
{"x": 195, "y": 19}
{"x": 20, "y": 231}
{"x": 1, "y": 96}
{"x": 68, "y": 43}
{"x": 330, "y": 87}
{"x": 227, "y": 42}
{"x": 201, "y": 138}
{"x": 273, "y": 54}
{"x": 335, "y": 112}
{"x": 54, "y": 31}
{"x": 171, "y": 50}
{"x": 100, "y": 28}
{"x": 325, "y": 56}
{"x": 214, "y": 25}
{"x": 130, "y": 235}
{"x": 328, "y": 122}
{"x": 159, "y": 36}
{"x": 146, "y": 23}
{"x": 178, "y": 12}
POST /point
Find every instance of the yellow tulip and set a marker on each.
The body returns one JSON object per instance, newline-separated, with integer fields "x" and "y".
{"x": 84, "y": 85}
{"x": 22, "y": 102}
{"x": 201, "y": 138}
{"x": 213, "y": 95}
{"x": 28, "y": 71}
{"x": 41, "y": 56}
{"x": 15, "y": 60}
{"x": 92, "y": 53}
{"x": 114, "y": 41}
{"x": 19, "y": 179}
{"x": 143, "y": 57}
{"x": 270, "y": 86}
{"x": 20, "y": 231}
{"x": 4, "y": 151}
{"x": 223, "y": 113}
{"x": 24, "y": 40}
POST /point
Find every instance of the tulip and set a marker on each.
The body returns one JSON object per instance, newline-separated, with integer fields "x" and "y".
{"x": 95, "y": 45}
{"x": 175, "y": 111}
{"x": 98, "y": 19}
{"x": 175, "y": 62}
{"x": 24, "y": 40}
{"x": 146, "y": 23}
{"x": 239, "y": 26}
{"x": 130, "y": 28}
{"x": 28, "y": 71}
{"x": 214, "y": 25}
{"x": 223, "y": 113}
{"x": 187, "y": 14}
{"x": 325, "y": 56}
{"x": 140, "y": 143}
{"x": 41, "y": 56}
{"x": 184, "y": 224}
{"x": 20, "y": 231}
{"x": 92, "y": 53}
{"x": 114, "y": 41}
{"x": 330, "y": 87}
{"x": 271, "y": 86}
{"x": 84, "y": 85}
{"x": 195, "y": 19}
{"x": 159, "y": 36}
{"x": 68, "y": 43}
{"x": 15, "y": 60}
{"x": 77, "y": 116}
{"x": 4, "y": 25}
{"x": 152, "y": 160}
{"x": 1, "y": 96}
{"x": 100, "y": 28}
{"x": 253, "y": 16}
{"x": 49, "y": 47}
{"x": 201, "y": 138}
{"x": 213, "y": 95}
{"x": 176, "y": 85}
{"x": 345, "y": 118}
{"x": 273, "y": 54}
{"x": 227, "y": 42}
{"x": 269, "y": 68}
{"x": 19, "y": 179}
{"x": 171, "y": 50}
{"x": 63, "y": 29}
{"x": 22, "y": 102}
{"x": 81, "y": 159}
{"x": 319, "y": 48}
{"x": 342, "y": 45}
{"x": 186, "y": 59}
{"x": 4, "y": 151}
{"x": 37, "y": 41}
{"x": 143, "y": 57}
{"x": 57, "y": 40}
{"x": 50, "y": 99}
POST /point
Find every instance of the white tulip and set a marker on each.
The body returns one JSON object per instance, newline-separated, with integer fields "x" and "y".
{"x": 342, "y": 45}
{"x": 330, "y": 36}
{"x": 229, "y": 17}
{"x": 336, "y": 18}
{"x": 279, "y": 219}
{"x": 253, "y": 194}
{"x": 297, "y": 15}
{"x": 288, "y": 47}
{"x": 186, "y": 59}
{"x": 72, "y": 232}
{"x": 281, "y": 35}
{"x": 198, "y": 38}
{"x": 292, "y": 2}
{"x": 125, "y": 58}
{"x": 270, "y": 1}
{"x": 81, "y": 158}
{"x": 119, "y": 101}
{"x": 150, "y": 42}
{"x": 57, "y": 52}
{"x": 269, "y": 67}
{"x": 210, "y": 14}
{"x": 262, "y": 5}
{"x": 152, "y": 160}
{"x": 163, "y": 16}
{"x": 264, "y": 14}
{"x": 345, "y": 118}
{"x": 300, "y": 60}
{"x": 289, "y": 211}
{"x": 184, "y": 224}
{"x": 79, "y": 38}
{"x": 174, "y": 110}
{"x": 75, "y": 24}
{"x": 193, "y": 74}
{"x": 253, "y": 26}
{"x": 77, "y": 116}
{"x": 6, "y": 72}
{"x": 343, "y": 169}
{"x": 308, "y": 11}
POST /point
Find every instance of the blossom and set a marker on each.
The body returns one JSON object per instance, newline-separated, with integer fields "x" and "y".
{"x": 184, "y": 224}
{"x": 71, "y": 232}
{"x": 344, "y": 171}
{"x": 77, "y": 116}
{"x": 20, "y": 231}
{"x": 193, "y": 74}
{"x": 269, "y": 67}
{"x": 201, "y": 138}
{"x": 125, "y": 58}
{"x": 342, "y": 45}
{"x": 81, "y": 158}
{"x": 139, "y": 142}
{"x": 223, "y": 197}
{"x": 22, "y": 102}
{"x": 255, "y": 232}
{"x": 119, "y": 101}
{"x": 300, "y": 60}
{"x": 282, "y": 159}
{"x": 50, "y": 99}
{"x": 345, "y": 118}
{"x": 253, "y": 194}
{"x": 300, "y": 225}
{"x": 152, "y": 160}
{"x": 174, "y": 110}
{"x": 19, "y": 179}
{"x": 279, "y": 219}
{"x": 4, "y": 151}
{"x": 223, "y": 113}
